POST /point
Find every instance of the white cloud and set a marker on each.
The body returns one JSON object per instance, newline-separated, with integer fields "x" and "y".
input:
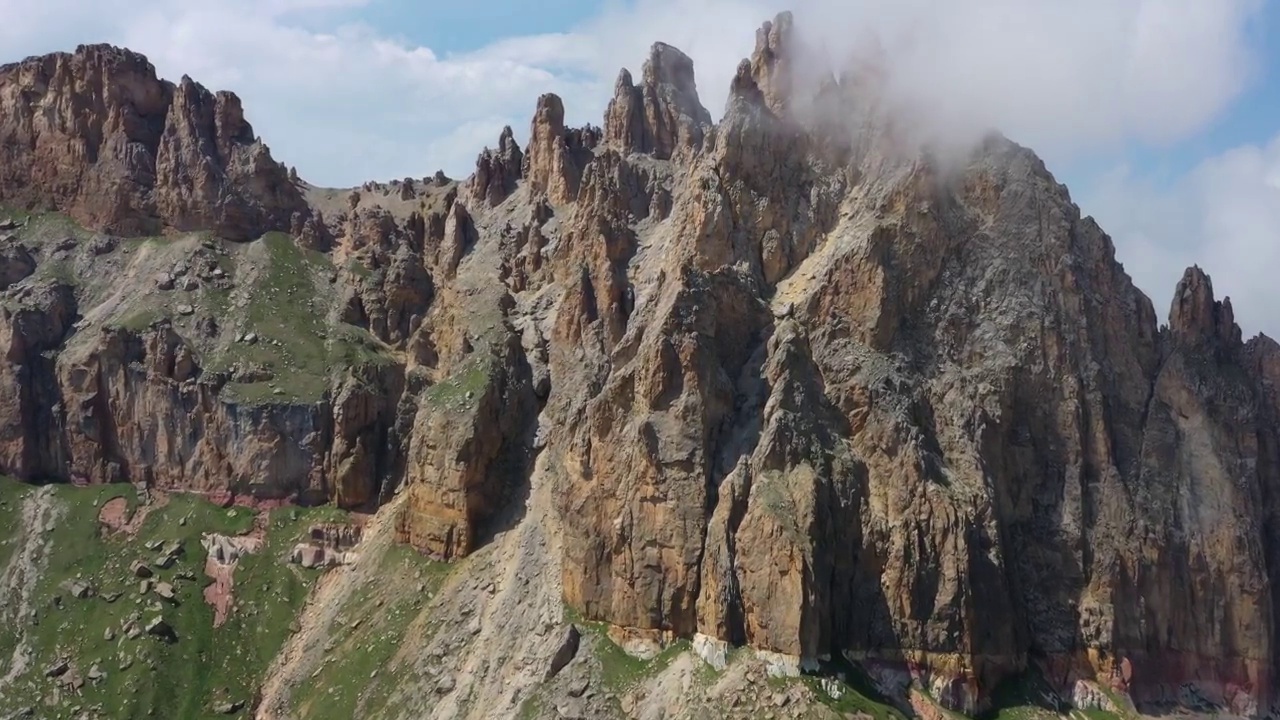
{"x": 345, "y": 104}
{"x": 1223, "y": 216}
{"x": 1064, "y": 77}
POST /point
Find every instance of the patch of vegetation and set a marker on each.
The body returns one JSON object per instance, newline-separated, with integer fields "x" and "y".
{"x": 288, "y": 311}
{"x": 1024, "y": 697}
{"x": 146, "y": 676}
{"x": 532, "y": 707}
{"x": 845, "y": 688}
{"x": 43, "y": 225}
{"x": 141, "y": 319}
{"x": 619, "y": 669}
{"x": 359, "y": 269}
{"x": 361, "y": 668}
{"x": 12, "y": 494}
{"x": 464, "y": 386}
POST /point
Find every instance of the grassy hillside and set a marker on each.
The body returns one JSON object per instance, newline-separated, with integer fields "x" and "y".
{"x": 194, "y": 673}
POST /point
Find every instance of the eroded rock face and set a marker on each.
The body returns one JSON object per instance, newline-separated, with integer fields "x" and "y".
{"x": 772, "y": 62}
{"x": 97, "y": 135}
{"x": 557, "y": 155}
{"x": 16, "y": 264}
{"x": 468, "y": 453}
{"x": 661, "y": 116}
{"x": 935, "y": 449}
{"x": 497, "y": 171}
{"x": 129, "y": 406}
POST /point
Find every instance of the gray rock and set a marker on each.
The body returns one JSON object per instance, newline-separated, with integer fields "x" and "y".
{"x": 571, "y": 710}
{"x": 166, "y": 591}
{"x": 102, "y": 244}
{"x": 58, "y": 668}
{"x": 229, "y": 707}
{"x": 185, "y": 309}
{"x": 158, "y": 627}
{"x": 78, "y": 589}
{"x": 566, "y": 652}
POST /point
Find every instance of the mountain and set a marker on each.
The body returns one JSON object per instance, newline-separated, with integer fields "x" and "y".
{"x": 896, "y": 424}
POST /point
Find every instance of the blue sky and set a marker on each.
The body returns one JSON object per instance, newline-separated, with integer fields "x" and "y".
{"x": 460, "y": 27}
{"x": 1162, "y": 116}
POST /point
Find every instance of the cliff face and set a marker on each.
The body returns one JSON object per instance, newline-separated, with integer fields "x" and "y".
{"x": 803, "y": 386}
{"x": 859, "y": 403}
{"x": 97, "y": 135}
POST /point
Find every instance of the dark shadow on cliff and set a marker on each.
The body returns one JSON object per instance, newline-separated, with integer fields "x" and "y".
{"x": 520, "y": 449}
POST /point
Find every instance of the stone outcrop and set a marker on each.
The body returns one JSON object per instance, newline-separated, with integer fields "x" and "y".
{"x": 772, "y": 64}
{"x": 557, "y": 155}
{"x": 468, "y": 453}
{"x": 1196, "y": 318}
{"x": 97, "y": 135}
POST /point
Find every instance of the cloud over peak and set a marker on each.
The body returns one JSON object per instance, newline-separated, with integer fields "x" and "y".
{"x": 346, "y": 102}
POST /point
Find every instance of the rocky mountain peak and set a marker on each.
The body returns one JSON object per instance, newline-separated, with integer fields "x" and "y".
{"x": 661, "y": 116}
{"x": 1196, "y": 318}
{"x": 771, "y": 61}
{"x": 99, "y": 136}
{"x": 497, "y": 171}
{"x": 557, "y": 155}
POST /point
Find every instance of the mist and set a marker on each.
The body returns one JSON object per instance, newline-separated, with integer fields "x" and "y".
{"x": 1086, "y": 84}
{"x": 1067, "y": 78}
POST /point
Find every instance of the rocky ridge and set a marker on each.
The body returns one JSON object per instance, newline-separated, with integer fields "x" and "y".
{"x": 794, "y": 383}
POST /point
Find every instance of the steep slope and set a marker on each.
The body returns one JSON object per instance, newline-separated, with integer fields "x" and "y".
{"x": 792, "y": 381}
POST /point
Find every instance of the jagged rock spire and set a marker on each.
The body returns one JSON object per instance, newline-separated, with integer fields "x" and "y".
{"x": 662, "y": 115}
{"x": 497, "y": 171}
{"x": 557, "y": 155}
{"x": 771, "y": 62}
{"x": 1195, "y": 317}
